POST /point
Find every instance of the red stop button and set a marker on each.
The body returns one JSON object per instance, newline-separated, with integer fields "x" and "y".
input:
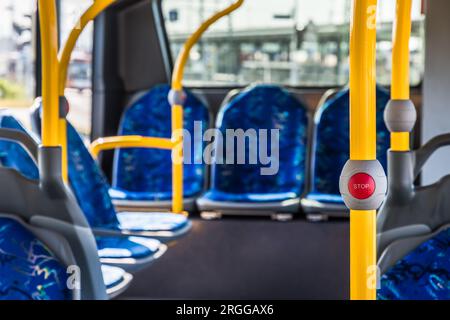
{"x": 361, "y": 186}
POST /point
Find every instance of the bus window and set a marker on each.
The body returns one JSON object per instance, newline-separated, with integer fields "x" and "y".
{"x": 296, "y": 42}
{"x": 79, "y": 79}
{"x": 17, "y": 77}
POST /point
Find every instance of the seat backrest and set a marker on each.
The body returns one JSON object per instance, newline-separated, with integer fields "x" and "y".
{"x": 89, "y": 185}
{"x": 263, "y": 107}
{"x": 13, "y": 155}
{"x": 28, "y": 270}
{"x": 150, "y": 170}
{"x": 331, "y": 140}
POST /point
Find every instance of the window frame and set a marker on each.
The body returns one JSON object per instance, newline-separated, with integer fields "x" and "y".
{"x": 167, "y": 55}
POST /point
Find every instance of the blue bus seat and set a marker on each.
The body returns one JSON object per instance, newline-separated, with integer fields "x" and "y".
{"x": 330, "y": 150}
{"x": 241, "y": 188}
{"x": 30, "y": 271}
{"x": 12, "y": 153}
{"x": 143, "y": 177}
{"x": 91, "y": 187}
{"x": 125, "y": 252}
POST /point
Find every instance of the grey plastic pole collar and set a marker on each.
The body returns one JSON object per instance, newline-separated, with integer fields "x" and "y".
{"x": 177, "y": 97}
{"x": 400, "y": 116}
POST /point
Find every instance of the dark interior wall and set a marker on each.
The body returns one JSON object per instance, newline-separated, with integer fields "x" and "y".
{"x": 436, "y": 93}
{"x": 127, "y": 58}
{"x": 141, "y": 62}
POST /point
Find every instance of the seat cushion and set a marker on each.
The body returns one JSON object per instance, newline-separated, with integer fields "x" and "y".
{"x": 112, "y": 276}
{"x": 262, "y": 107}
{"x": 147, "y": 173}
{"x": 218, "y": 196}
{"x": 325, "y": 198}
{"x": 424, "y": 274}
{"x": 28, "y": 270}
{"x": 120, "y": 194}
{"x": 126, "y": 247}
{"x": 331, "y": 141}
{"x": 152, "y": 221}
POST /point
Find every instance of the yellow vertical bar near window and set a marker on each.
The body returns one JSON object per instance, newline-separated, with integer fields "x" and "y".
{"x": 400, "y": 141}
{"x": 400, "y": 66}
{"x": 64, "y": 59}
{"x": 177, "y": 110}
{"x": 177, "y": 161}
{"x": 62, "y": 136}
{"x": 49, "y": 44}
{"x": 362, "y": 141}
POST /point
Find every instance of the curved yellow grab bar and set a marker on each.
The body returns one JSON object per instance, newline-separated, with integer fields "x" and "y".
{"x": 64, "y": 57}
{"x": 177, "y": 76}
{"x": 111, "y": 143}
{"x": 362, "y": 142}
{"x": 400, "y": 66}
{"x": 177, "y": 109}
{"x": 50, "y": 103}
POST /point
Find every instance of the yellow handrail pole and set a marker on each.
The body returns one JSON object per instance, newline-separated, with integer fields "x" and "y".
{"x": 362, "y": 141}
{"x": 62, "y": 135}
{"x": 64, "y": 59}
{"x": 177, "y": 109}
{"x": 400, "y": 66}
{"x": 49, "y": 43}
{"x": 177, "y": 159}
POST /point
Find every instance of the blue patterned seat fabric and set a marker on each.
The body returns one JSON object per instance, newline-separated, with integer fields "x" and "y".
{"x": 87, "y": 184}
{"x": 28, "y": 270}
{"x": 262, "y": 107}
{"x": 424, "y": 274}
{"x": 146, "y": 174}
{"x": 9, "y": 151}
{"x": 332, "y": 144}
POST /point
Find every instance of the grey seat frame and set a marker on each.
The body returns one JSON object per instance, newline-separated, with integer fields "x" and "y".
{"x": 399, "y": 248}
{"x": 49, "y": 205}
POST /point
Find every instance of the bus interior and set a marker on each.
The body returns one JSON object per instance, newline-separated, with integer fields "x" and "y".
{"x": 272, "y": 102}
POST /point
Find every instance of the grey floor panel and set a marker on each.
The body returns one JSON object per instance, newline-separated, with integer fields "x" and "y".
{"x": 251, "y": 259}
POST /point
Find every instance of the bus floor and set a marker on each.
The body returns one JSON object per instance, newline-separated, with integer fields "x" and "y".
{"x": 238, "y": 258}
